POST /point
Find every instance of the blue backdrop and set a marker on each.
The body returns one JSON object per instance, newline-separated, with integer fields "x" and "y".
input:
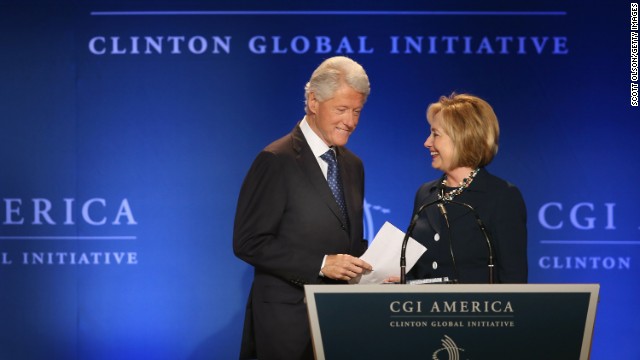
{"x": 126, "y": 129}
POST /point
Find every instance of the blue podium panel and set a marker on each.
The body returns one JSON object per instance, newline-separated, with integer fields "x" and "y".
{"x": 452, "y": 321}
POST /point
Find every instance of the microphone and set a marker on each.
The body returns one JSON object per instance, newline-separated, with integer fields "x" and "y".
{"x": 412, "y": 224}
{"x": 443, "y": 211}
{"x": 490, "y": 264}
{"x": 403, "y": 251}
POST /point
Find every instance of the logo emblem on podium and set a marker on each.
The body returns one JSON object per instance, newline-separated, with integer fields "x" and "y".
{"x": 450, "y": 346}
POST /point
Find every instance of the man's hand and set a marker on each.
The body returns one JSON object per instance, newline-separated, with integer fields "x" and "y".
{"x": 344, "y": 267}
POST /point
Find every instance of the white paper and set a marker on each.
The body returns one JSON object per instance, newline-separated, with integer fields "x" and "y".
{"x": 384, "y": 255}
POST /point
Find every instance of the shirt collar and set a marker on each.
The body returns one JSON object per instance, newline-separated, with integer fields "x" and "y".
{"x": 318, "y": 147}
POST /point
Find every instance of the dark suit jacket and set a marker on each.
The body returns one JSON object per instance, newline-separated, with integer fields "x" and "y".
{"x": 286, "y": 222}
{"x": 500, "y": 207}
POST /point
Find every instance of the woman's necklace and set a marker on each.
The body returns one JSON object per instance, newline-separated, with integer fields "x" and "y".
{"x": 457, "y": 191}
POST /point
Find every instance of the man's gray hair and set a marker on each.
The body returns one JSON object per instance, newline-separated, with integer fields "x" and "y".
{"x": 333, "y": 73}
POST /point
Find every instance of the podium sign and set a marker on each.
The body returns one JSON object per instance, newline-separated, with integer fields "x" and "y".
{"x": 443, "y": 322}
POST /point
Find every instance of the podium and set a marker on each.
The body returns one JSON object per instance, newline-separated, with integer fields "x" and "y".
{"x": 452, "y": 322}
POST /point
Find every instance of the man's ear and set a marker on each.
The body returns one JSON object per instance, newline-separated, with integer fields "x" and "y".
{"x": 313, "y": 103}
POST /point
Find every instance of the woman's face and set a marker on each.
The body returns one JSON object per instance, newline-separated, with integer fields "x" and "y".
{"x": 440, "y": 145}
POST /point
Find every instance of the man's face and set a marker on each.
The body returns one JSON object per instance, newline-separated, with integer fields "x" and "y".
{"x": 335, "y": 119}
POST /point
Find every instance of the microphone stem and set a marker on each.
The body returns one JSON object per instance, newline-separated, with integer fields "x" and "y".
{"x": 487, "y": 239}
{"x": 403, "y": 252}
{"x": 443, "y": 211}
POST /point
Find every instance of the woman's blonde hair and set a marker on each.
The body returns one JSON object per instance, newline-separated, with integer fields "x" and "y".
{"x": 472, "y": 126}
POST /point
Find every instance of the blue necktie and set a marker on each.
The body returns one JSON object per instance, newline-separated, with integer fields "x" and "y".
{"x": 335, "y": 182}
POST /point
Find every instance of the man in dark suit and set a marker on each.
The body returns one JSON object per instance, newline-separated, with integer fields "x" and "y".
{"x": 299, "y": 218}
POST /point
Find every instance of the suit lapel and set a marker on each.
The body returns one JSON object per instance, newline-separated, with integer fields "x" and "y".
{"x": 309, "y": 165}
{"x": 348, "y": 180}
